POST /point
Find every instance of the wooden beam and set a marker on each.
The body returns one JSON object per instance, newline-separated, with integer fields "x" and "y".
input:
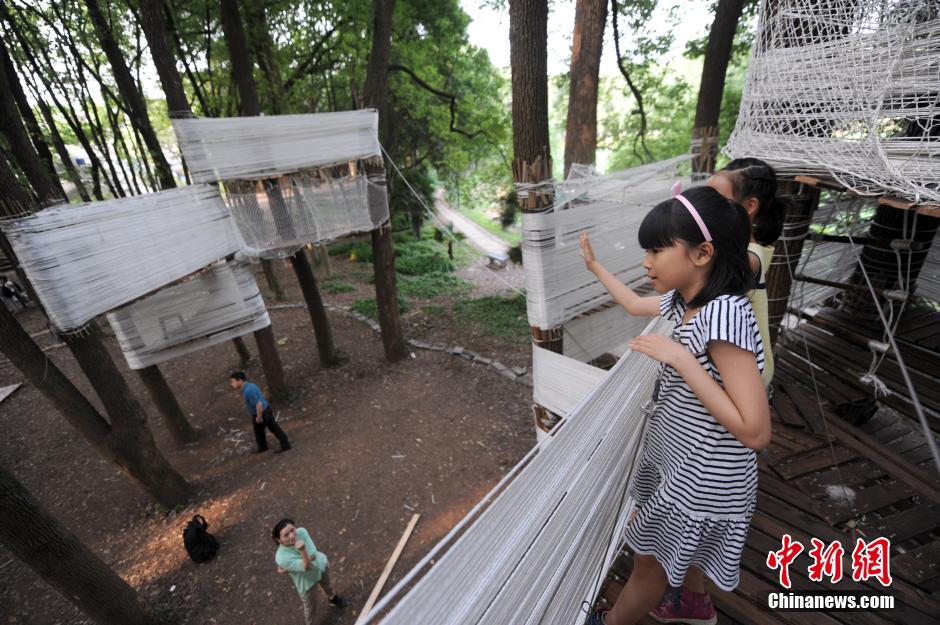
{"x": 388, "y": 569}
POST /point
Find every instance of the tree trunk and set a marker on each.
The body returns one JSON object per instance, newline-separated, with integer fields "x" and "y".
{"x": 154, "y": 25}
{"x": 528, "y": 57}
{"x": 131, "y": 95}
{"x": 243, "y": 74}
{"x": 321, "y": 324}
{"x": 26, "y": 111}
{"x": 173, "y": 417}
{"x": 271, "y": 363}
{"x": 374, "y": 94}
{"x": 586, "y": 46}
{"x": 11, "y": 125}
{"x": 128, "y": 419}
{"x": 59, "y": 144}
{"x": 36, "y": 538}
{"x": 243, "y": 354}
{"x": 263, "y": 49}
{"x": 787, "y": 251}
{"x": 712, "y": 87}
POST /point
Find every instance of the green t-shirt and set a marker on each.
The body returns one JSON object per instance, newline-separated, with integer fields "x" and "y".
{"x": 290, "y": 559}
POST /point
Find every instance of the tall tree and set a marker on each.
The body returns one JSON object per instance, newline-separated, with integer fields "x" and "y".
{"x": 374, "y": 95}
{"x": 153, "y": 22}
{"x": 130, "y": 93}
{"x": 587, "y": 43}
{"x": 42, "y": 543}
{"x": 528, "y": 58}
{"x": 712, "y": 87}
{"x": 243, "y": 68}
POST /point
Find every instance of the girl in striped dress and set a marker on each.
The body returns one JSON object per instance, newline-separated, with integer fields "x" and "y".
{"x": 696, "y": 481}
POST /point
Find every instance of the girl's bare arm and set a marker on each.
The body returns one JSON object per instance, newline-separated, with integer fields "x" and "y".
{"x": 620, "y": 292}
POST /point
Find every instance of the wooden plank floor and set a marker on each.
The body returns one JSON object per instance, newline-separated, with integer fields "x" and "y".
{"x": 823, "y": 477}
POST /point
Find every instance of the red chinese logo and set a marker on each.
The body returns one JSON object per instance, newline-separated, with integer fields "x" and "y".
{"x": 869, "y": 560}
{"x": 783, "y": 558}
{"x": 827, "y": 560}
{"x": 872, "y": 559}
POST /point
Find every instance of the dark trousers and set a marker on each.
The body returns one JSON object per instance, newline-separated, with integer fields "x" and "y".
{"x": 268, "y": 422}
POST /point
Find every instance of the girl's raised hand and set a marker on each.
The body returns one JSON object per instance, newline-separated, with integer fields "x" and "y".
{"x": 587, "y": 252}
{"x": 660, "y": 348}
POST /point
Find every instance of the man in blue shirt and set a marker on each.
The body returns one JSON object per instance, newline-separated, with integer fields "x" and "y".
{"x": 260, "y": 412}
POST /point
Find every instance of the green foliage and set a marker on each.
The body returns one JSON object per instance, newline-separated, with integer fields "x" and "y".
{"x": 498, "y": 316}
{"x": 368, "y": 306}
{"x": 335, "y": 284}
{"x": 354, "y": 249}
{"x": 432, "y": 284}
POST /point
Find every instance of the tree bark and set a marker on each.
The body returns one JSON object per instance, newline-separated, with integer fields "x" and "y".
{"x": 128, "y": 419}
{"x": 36, "y": 538}
{"x": 712, "y": 86}
{"x": 26, "y": 111}
{"x": 374, "y": 95}
{"x": 321, "y": 324}
{"x": 174, "y": 419}
{"x": 243, "y": 73}
{"x": 36, "y": 171}
{"x": 243, "y": 354}
{"x": 155, "y": 29}
{"x": 262, "y": 45}
{"x": 131, "y": 95}
{"x": 271, "y": 363}
{"x": 586, "y": 46}
{"x": 528, "y": 58}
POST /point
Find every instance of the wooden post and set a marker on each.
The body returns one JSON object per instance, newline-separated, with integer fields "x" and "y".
{"x": 704, "y": 150}
{"x": 321, "y": 323}
{"x": 271, "y": 363}
{"x": 881, "y": 262}
{"x": 243, "y": 354}
{"x": 173, "y": 416}
{"x": 788, "y": 249}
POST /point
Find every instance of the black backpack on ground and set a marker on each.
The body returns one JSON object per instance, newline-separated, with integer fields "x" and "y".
{"x": 200, "y": 544}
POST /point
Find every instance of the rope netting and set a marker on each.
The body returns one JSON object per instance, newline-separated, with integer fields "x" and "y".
{"x": 848, "y": 89}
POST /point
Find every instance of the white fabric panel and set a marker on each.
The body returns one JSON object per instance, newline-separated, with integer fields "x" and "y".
{"x": 230, "y": 148}
{"x": 88, "y": 259}
{"x": 610, "y": 208}
{"x": 559, "y": 382}
{"x": 546, "y": 541}
{"x": 213, "y": 306}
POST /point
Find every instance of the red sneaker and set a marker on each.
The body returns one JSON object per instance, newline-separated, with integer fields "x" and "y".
{"x": 684, "y": 606}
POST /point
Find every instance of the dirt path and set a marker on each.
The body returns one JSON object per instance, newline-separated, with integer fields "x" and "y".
{"x": 373, "y": 442}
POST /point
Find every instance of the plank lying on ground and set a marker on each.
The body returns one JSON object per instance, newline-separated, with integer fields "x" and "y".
{"x": 388, "y": 568}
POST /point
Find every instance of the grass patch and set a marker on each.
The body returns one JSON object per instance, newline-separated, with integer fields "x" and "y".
{"x": 369, "y": 307}
{"x": 334, "y": 284}
{"x": 504, "y": 317}
{"x": 360, "y": 251}
{"x": 509, "y": 235}
{"x": 433, "y": 310}
{"x": 431, "y": 284}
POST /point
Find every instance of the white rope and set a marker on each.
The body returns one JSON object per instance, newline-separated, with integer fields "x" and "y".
{"x": 243, "y": 148}
{"x": 84, "y": 260}
{"x": 546, "y": 541}
{"x": 828, "y": 86}
{"x": 213, "y": 306}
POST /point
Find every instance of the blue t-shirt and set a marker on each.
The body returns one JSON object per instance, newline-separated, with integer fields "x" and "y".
{"x": 252, "y": 395}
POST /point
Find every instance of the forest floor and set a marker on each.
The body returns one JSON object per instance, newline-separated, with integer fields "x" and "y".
{"x": 373, "y": 442}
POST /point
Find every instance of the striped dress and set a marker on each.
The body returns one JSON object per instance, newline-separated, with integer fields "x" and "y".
{"x": 696, "y": 485}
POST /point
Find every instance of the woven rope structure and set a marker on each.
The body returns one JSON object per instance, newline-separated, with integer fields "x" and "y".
{"x": 847, "y": 89}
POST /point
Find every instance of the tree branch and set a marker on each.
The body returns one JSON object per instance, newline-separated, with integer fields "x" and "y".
{"x": 305, "y": 66}
{"x": 440, "y": 94}
{"x": 641, "y": 134}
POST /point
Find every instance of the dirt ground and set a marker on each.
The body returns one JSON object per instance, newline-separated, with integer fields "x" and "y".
{"x": 373, "y": 442}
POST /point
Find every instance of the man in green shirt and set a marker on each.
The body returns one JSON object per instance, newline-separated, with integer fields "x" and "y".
{"x": 298, "y": 557}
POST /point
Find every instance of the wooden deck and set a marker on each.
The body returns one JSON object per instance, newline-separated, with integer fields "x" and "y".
{"x": 884, "y": 461}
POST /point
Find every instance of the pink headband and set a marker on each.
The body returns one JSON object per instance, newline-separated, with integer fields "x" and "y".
{"x": 696, "y": 217}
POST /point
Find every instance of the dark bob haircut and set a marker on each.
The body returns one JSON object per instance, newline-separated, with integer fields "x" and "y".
{"x": 670, "y": 222}
{"x": 753, "y": 178}
{"x": 280, "y": 525}
{"x": 238, "y": 375}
